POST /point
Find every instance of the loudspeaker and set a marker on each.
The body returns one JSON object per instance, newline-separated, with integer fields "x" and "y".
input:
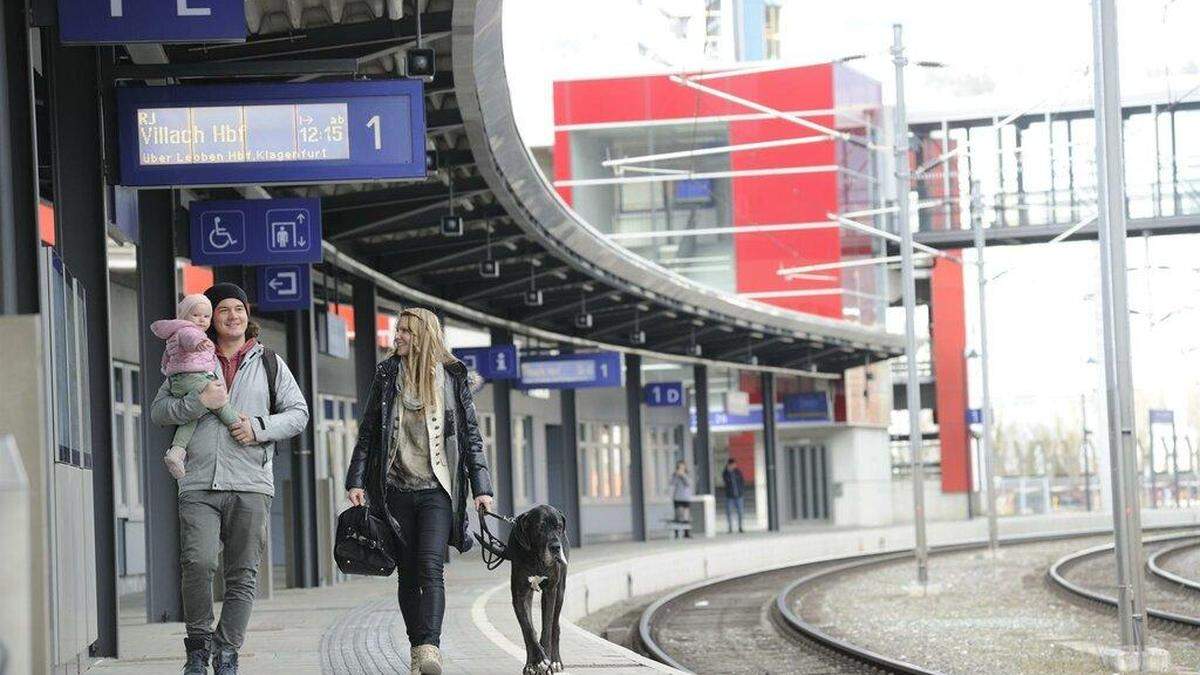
{"x": 533, "y": 298}
{"x": 420, "y": 63}
{"x": 489, "y": 269}
{"x": 453, "y": 226}
{"x": 583, "y": 320}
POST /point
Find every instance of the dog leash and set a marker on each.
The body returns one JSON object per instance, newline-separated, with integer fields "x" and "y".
{"x": 492, "y": 557}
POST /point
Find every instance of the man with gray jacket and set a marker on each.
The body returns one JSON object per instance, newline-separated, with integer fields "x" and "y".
{"x": 226, "y": 491}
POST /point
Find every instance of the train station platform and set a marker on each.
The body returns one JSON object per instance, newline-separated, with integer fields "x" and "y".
{"x": 355, "y": 628}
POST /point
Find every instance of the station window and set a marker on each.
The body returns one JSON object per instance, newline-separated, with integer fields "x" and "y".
{"x": 771, "y": 31}
{"x": 604, "y": 452}
{"x": 127, "y": 441}
{"x": 664, "y": 447}
{"x": 523, "y": 457}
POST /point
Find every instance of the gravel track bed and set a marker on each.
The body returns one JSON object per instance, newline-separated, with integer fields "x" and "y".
{"x": 991, "y": 616}
{"x": 1185, "y": 563}
{"x": 726, "y": 628}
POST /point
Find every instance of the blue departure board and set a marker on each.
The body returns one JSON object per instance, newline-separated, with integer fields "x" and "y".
{"x": 272, "y": 133}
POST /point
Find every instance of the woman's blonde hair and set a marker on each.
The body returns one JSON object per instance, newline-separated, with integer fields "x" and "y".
{"x": 427, "y": 350}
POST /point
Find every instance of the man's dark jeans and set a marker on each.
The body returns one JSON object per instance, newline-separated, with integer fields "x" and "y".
{"x": 424, "y": 517}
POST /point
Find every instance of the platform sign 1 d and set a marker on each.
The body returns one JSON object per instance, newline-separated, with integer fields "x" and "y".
{"x": 157, "y": 21}
{"x": 498, "y": 362}
{"x": 256, "y": 231}
{"x": 663, "y": 394}
{"x": 283, "y": 288}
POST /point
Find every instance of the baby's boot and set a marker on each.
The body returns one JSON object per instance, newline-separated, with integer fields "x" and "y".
{"x": 174, "y": 460}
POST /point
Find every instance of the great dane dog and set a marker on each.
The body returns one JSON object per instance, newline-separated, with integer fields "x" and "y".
{"x": 537, "y": 548}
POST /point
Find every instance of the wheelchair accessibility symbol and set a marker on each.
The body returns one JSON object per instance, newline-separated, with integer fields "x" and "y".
{"x": 223, "y": 232}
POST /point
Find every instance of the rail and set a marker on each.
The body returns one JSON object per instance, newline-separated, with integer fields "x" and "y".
{"x": 1056, "y": 575}
{"x": 1155, "y": 568}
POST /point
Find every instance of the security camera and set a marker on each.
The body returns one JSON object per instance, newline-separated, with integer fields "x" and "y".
{"x": 420, "y": 64}
{"x": 695, "y": 350}
{"x": 533, "y": 298}
{"x": 583, "y": 320}
{"x": 453, "y": 226}
{"x": 638, "y": 337}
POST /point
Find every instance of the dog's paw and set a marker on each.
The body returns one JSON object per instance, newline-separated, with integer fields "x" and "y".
{"x": 556, "y": 666}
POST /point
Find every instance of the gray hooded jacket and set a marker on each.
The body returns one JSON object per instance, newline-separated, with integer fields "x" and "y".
{"x": 214, "y": 460}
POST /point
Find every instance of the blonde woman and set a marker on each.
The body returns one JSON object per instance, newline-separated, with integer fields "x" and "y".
{"x": 418, "y": 452}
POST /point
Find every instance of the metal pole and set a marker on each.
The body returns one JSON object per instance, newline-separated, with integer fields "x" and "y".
{"x": 985, "y": 439}
{"x": 910, "y": 301}
{"x": 1118, "y": 370}
{"x": 1087, "y": 459}
{"x": 633, "y": 406}
{"x": 1174, "y": 460}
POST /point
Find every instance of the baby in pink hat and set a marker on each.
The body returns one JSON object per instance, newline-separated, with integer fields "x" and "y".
{"x": 189, "y": 363}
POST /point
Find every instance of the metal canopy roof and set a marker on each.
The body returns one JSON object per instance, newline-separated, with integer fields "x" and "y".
{"x": 392, "y": 229}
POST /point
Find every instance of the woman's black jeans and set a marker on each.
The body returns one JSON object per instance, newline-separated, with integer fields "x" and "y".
{"x": 424, "y": 517}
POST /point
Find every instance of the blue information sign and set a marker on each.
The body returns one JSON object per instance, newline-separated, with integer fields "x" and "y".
{"x": 272, "y": 133}
{"x": 126, "y": 21}
{"x": 493, "y": 363}
{"x": 1162, "y": 417}
{"x": 256, "y": 231}
{"x": 283, "y": 288}
{"x": 974, "y": 415}
{"x": 807, "y": 405}
{"x": 571, "y": 371}
{"x": 663, "y": 394}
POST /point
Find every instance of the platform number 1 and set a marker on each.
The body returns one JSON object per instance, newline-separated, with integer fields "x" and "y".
{"x": 373, "y": 124}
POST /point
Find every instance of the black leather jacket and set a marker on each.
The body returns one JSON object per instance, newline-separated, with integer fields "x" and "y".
{"x": 464, "y": 451}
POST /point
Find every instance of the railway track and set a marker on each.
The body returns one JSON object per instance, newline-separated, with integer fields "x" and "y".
{"x": 1059, "y": 576}
{"x": 1155, "y": 564}
{"x": 749, "y": 625}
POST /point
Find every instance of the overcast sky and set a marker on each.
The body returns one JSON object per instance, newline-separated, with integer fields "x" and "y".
{"x": 1002, "y": 56}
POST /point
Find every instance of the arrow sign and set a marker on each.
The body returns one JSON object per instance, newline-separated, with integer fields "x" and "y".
{"x": 283, "y": 288}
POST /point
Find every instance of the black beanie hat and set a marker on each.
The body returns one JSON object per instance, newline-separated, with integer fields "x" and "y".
{"x": 223, "y": 291}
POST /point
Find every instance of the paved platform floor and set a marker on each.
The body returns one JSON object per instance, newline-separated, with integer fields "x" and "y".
{"x": 355, "y": 628}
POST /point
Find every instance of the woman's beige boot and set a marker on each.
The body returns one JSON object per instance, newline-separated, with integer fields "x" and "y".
{"x": 427, "y": 660}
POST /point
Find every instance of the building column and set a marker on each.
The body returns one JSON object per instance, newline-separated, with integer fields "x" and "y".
{"x": 637, "y": 483}
{"x": 769, "y": 438}
{"x": 157, "y": 296}
{"x": 302, "y": 347}
{"x": 366, "y": 355}
{"x": 570, "y": 478}
{"x": 502, "y": 474}
{"x": 78, "y": 177}
{"x": 701, "y": 441}
{"x": 18, "y": 168}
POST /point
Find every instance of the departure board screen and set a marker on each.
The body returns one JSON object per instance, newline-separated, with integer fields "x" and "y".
{"x": 252, "y": 133}
{"x": 271, "y": 133}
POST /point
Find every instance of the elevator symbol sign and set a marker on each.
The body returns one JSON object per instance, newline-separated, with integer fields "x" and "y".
{"x": 256, "y": 232}
{"x": 498, "y": 362}
{"x": 289, "y": 230}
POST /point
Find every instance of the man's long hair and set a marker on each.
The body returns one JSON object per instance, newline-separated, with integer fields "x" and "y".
{"x": 427, "y": 350}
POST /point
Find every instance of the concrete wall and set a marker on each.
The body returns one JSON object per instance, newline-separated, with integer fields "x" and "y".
{"x": 938, "y": 505}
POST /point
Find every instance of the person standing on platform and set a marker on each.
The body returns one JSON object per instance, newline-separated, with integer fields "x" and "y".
{"x": 226, "y": 491}
{"x": 418, "y": 452}
{"x": 735, "y": 489}
{"x": 681, "y": 493}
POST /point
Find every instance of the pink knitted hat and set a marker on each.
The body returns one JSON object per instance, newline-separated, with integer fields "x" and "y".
{"x": 189, "y": 303}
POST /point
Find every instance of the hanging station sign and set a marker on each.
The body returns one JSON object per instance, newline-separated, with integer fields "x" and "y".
{"x": 255, "y": 231}
{"x": 326, "y": 132}
{"x": 128, "y": 21}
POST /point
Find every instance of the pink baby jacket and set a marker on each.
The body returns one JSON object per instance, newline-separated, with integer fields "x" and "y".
{"x": 188, "y": 349}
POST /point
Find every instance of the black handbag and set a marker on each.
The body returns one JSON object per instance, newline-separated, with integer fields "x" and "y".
{"x": 361, "y": 546}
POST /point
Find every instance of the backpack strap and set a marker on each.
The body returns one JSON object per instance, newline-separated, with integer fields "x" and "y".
{"x": 271, "y": 365}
